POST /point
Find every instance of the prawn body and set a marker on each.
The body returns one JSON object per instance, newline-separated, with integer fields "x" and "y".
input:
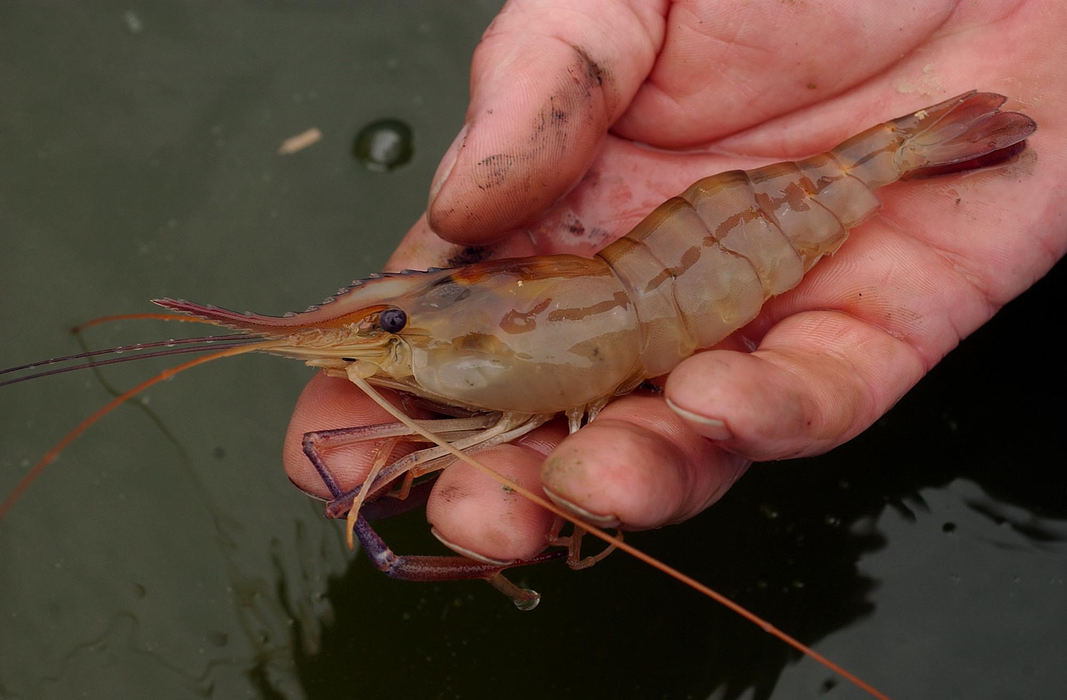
{"x": 560, "y": 333}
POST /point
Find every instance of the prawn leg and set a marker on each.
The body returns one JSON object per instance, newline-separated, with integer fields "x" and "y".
{"x": 465, "y": 434}
{"x": 317, "y": 442}
{"x": 448, "y": 568}
{"x": 573, "y": 543}
{"x": 483, "y": 430}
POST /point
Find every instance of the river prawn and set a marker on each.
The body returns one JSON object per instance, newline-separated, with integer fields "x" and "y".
{"x": 506, "y": 345}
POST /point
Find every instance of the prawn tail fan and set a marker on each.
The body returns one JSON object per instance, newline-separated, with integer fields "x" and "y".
{"x": 968, "y": 131}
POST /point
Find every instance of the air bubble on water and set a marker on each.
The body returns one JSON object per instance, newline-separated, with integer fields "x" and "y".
{"x": 384, "y": 145}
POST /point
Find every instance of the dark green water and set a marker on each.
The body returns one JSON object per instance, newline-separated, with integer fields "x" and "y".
{"x": 166, "y": 555}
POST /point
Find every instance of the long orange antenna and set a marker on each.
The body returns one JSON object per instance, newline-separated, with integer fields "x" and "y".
{"x": 51, "y": 455}
{"x": 618, "y": 542}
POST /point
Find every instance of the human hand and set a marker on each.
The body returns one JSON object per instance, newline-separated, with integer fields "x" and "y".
{"x": 547, "y": 163}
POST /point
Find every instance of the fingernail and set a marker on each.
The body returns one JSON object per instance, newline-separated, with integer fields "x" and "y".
{"x": 594, "y": 518}
{"x": 447, "y": 162}
{"x": 469, "y": 553}
{"x": 711, "y": 428}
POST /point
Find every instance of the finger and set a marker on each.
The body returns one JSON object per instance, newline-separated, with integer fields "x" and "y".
{"x": 421, "y": 248}
{"x": 817, "y": 380}
{"x": 639, "y": 465}
{"x": 530, "y": 134}
{"x": 476, "y": 515}
{"x": 727, "y": 66}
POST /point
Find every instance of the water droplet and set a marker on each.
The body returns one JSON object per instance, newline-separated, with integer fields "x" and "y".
{"x": 384, "y": 145}
{"x": 530, "y": 603}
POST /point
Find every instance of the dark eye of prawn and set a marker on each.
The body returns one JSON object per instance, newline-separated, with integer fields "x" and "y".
{"x": 392, "y": 320}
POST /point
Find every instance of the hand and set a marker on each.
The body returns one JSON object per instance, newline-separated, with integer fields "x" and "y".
{"x": 547, "y": 162}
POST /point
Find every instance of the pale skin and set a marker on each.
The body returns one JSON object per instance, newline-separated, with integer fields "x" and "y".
{"x": 547, "y": 163}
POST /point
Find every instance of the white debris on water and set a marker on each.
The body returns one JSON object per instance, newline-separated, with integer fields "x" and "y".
{"x": 133, "y": 22}
{"x": 300, "y": 141}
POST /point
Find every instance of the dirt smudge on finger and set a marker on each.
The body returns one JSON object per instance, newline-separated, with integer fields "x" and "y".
{"x": 493, "y": 170}
{"x": 468, "y": 255}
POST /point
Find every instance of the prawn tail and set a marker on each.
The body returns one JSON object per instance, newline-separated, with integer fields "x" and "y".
{"x": 965, "y": 132}
{"x": 962, "y": 133}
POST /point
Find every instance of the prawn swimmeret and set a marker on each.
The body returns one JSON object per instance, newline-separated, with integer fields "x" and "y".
{"x": 505, "y": 345}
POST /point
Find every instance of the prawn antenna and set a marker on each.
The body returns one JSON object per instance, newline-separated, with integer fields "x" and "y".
{"x": 199, "y": 344}
{"x": 129, "y": 353}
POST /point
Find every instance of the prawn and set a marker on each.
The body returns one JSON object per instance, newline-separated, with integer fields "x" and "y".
{"x": 503, "y": 346}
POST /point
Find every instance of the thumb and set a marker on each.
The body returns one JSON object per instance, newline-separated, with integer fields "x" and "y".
{"x": 547, "y": 81}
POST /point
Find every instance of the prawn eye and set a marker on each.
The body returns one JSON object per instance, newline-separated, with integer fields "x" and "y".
{"x": 392, "y": 320}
